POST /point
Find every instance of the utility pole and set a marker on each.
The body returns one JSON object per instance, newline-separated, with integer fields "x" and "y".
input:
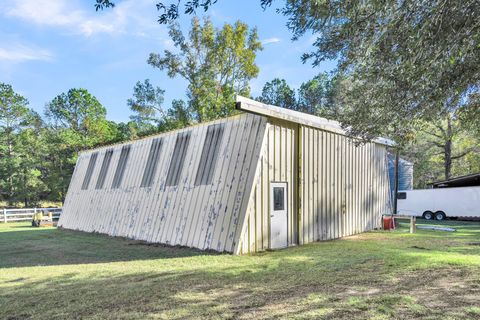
{"x": 395, "y": 189}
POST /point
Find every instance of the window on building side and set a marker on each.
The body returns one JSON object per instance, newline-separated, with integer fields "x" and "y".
{"x": 104, "y": 169}
{"x": 152, "y": 162}
{"x": 122, "y": 163}
{"x": 208, "y": 160}
{"x": 88, "y": 174}
{"x": 178, "y": 158}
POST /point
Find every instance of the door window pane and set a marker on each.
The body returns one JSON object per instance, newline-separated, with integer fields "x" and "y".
{"x": 278, "y": 198}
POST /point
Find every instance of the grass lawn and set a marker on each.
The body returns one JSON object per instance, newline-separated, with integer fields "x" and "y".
{"x": 47, "y": 273}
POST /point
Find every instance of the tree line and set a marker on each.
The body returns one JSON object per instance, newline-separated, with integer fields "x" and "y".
{"x": 38, "y": 151}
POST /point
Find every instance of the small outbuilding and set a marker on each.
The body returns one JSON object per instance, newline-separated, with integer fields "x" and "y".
{"x": 267, "y": 178}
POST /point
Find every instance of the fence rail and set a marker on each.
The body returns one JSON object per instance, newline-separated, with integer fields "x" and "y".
{"x": 16, "y": 215}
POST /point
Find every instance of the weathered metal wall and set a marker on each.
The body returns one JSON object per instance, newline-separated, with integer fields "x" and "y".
{"x": 203, "y": 216}
{"x": 341, "y": 188}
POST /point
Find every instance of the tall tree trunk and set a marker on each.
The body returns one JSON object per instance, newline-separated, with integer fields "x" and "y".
{"x": 448, "y": 149}
{"x": 10, "y": 156}
{"x": 25, "y": 191}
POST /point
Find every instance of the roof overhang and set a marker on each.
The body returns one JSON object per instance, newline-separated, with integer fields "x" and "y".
{"x": 252, "y": 106}
{"x": 470, "y": 180}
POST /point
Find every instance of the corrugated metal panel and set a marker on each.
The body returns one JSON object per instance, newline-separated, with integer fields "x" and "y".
{"x": 342, "y": 188}
{"x": 354, "y": 186}
{"x": 204, "y": 216}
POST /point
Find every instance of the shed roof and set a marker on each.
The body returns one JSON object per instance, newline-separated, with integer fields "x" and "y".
{"x": 252, "y": 106}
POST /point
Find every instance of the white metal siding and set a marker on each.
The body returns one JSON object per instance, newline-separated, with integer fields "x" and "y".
{"x": 344, "y": 187}
{"x": 204, "y": 216}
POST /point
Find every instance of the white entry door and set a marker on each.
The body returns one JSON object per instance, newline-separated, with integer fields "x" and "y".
{"x": 278, "y": 215}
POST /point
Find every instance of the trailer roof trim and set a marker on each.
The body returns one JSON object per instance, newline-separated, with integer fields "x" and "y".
{"x": 252, "y": 106}
{"x": 469, "y": 180}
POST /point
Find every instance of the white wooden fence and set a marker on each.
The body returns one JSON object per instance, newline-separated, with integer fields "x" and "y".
{"x": 16, "y": 215}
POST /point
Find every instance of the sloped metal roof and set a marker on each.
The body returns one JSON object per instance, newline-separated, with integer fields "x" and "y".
{"x": 252, "y": 106}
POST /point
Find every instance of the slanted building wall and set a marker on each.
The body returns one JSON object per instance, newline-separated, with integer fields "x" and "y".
{"x": 166, "y": 192}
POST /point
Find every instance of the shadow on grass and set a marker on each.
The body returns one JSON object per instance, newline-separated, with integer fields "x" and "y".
{"x": 22, "y": 227}
{"x": 378, "y": 275}
{"x": 167, "y": 295}
{"x": 50, "y": 246}
{"x": 24, "y": 246}
{"x": 291, "y": 284}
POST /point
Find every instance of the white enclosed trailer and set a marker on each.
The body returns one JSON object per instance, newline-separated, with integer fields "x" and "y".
{"x": 440, "y": 203}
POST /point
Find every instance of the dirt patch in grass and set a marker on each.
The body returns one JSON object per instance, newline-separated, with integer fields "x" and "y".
{"x": 420, "y": 248}
{"x": 423, "y": 294}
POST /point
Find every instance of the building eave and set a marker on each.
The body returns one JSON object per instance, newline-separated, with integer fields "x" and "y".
{"x": 256, "y": 107}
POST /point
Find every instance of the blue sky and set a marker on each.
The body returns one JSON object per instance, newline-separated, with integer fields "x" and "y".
{"x": 50, "y": 46}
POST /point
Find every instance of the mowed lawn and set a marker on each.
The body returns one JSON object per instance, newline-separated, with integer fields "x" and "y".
{"x": 47, "y": 273}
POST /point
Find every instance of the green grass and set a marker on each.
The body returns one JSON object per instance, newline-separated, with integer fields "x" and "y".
{"x": 47, "y": 273}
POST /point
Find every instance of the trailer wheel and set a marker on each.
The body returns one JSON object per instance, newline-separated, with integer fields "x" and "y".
{"x": 440, "y": 215}
{"x": 428, "y": 215}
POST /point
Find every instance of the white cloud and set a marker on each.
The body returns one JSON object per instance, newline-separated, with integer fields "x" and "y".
{"x": 168, "y": 44}
{"x": 130, "y": 16}
{"x": 44, "y": 12}
{"x": 271, "y": 40}
{"x": 20, "y": 53}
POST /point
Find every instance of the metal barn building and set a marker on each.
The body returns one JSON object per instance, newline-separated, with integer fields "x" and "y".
{"x": 265, "y": 179}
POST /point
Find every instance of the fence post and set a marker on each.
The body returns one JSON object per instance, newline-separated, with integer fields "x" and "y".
{"x": 5, "y": 215}
{"x": 413, "y": 226}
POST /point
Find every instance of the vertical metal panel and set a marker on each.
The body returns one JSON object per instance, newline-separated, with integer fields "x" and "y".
{"x": 204, "y": 216}
{"x": 225, "y": 177}
{"x": 245, "y": 182}
{"x": 353, "y": 181}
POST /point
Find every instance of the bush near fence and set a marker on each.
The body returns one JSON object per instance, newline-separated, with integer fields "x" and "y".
{"x": 37, "y": 204}
{"x": 26, "y": 214}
